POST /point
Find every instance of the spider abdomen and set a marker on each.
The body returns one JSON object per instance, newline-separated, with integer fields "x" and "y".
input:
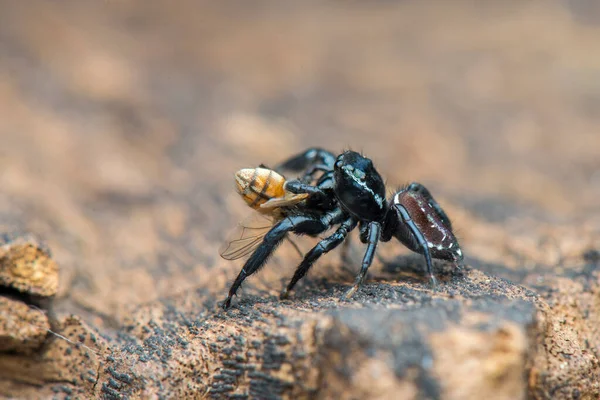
{"x": 436, "y": 231}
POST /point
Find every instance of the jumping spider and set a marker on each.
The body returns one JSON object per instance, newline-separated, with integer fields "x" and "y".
{"x": 348, "y": 193}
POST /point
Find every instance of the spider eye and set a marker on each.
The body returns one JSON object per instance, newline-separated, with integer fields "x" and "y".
{"x": 355, "y": 173}
{"x": 359, "y": 174}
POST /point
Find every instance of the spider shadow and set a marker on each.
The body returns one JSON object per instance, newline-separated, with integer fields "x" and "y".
{"x": 408, "y": 268}
{"x": 412, "y": 268}
{"x": 326, "y": 291}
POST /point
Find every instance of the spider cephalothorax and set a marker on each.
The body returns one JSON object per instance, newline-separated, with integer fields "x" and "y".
{"x": 348, "y": 193}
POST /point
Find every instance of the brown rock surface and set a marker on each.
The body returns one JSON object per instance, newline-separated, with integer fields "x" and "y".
{"x": 124, "y": 122}
{"x": 22, "y": 329}
{"x": 28, "y": 284}
{"x": 27, "y": 266}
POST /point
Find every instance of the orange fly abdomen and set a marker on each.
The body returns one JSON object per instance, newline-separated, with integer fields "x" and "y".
{"x": 259, "y": 185}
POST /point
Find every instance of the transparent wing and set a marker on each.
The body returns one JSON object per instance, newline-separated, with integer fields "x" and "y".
{"x": 246, "y": 237}
{"x": 285, "y": 201}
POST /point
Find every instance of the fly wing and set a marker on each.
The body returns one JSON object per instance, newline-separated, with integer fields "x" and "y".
{"x": 246, "y": 237}
{"x": 286, "y": 201}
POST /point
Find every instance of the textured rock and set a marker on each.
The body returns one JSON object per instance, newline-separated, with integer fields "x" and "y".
{"x": 22, "y": 329}
{"x": 27, "y": 267}
{"x": 476, "y": 334}
{"x": 69, "y": 363}
{"x": 28, "y": 283}
{"x": 122, "y": 127}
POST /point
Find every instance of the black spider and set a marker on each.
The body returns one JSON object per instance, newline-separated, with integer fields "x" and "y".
{"x": 350, "y": 193}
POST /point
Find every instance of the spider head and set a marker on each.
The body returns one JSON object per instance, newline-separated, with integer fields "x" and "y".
{"x": 359, "y": 187}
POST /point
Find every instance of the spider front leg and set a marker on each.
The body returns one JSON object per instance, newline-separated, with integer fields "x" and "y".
{"x": 371, "y": 236}
{"x": 321, "y": 248}
{"x": 298, "y": 187}
{"x": 302, "y": 224}
{"x": 308, "y": 163}
{"x": 316, "y": 192}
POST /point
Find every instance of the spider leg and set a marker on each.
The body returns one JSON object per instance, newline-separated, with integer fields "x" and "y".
{"x": 301, "y": 224}
{"x": 310, "y": 172}
{"x": 321, "y": 248}
{"x": 364, "y": 235}
{"x": 326, "y": 180}
{"x": 417, "y": 187}
{"x": 304, "y": 161}
{"x": 316, "y": 193}
{"x": 372, "y": 238}
{"x": 420, "y": 240}
{"x": 298, "y": 187}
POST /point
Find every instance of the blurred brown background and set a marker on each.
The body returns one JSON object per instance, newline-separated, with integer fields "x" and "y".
{"x": 123, "y": 122}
